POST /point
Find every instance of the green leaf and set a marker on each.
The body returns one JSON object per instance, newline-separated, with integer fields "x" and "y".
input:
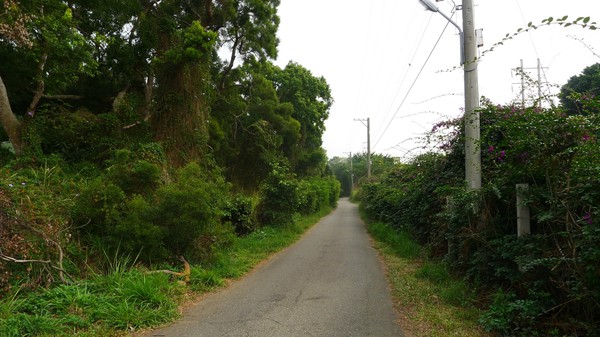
{"x": 586, "y": 20}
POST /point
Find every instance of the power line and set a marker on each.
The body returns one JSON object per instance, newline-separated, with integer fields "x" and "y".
{"x": 412, "y": 85}
{"x": 398, "y": 62}
{"x": 534, "y": 46}
{"x": 406, "y": 72}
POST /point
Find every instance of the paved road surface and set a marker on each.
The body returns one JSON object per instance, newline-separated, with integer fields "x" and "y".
{"x": 330, "y": 283}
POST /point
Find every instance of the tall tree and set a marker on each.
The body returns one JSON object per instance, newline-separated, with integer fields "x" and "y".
{"x": 585, "y": 86}
{"x": 311, "y": 98}
{"x": 45, "y": 44}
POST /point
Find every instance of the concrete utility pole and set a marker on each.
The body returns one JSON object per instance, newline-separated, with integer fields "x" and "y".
{"x": 351, "y": 173}
{"x": 472, "y": 120}
{"x": 368, "y": 125}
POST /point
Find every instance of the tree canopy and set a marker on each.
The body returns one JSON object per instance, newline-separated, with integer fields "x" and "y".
{"x": 584, "y": 86}
{"x": 154, "y": 70}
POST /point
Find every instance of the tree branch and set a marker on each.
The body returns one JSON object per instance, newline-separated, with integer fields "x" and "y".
{"x": 39, "y": 91}
{"x": 65, "y": 97}
{"x": 185, "y": 273}
{"x": 227, "y": 70}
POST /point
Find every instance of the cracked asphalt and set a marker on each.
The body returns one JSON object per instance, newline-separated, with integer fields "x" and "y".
{"x": 330, "y": 283}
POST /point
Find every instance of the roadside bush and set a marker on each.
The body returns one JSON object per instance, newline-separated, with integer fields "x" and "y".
{"x": 549, "y": 278}
{"x": 133, "y": 175}
{"x": 103, "y": 211}
{"x": 189, "y": 211}
{"x": 279, "y": 197}
{"x": 335, "y": 188}
{"x": 99, "y": 207}
{"x": 183, "y": 217}
{"x": 239, "y": 212}
{"x": 510, "y": 316}
{"x": 308, "y": 198}
{"x": 76, "y": 135}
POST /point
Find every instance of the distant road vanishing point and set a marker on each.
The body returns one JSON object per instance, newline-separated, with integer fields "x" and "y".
{"x": 330, "y": 283}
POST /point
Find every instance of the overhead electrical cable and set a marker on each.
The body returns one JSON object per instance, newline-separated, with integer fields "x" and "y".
{"x": 359, "y": 96}
{"x": 397, "y": 87}
{"x": 534, "y": 48}
{"x": 412, "y": 85}
{"x": 397, "y": 91}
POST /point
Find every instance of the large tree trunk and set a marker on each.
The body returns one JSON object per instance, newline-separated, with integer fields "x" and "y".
{"x": 9, "y": 121}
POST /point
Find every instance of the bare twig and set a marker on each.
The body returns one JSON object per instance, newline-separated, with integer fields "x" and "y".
{"x": 185, "y": 273}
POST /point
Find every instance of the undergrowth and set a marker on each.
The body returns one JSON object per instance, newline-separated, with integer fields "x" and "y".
{"x": 431, "y": 302}
{"x": 128, "y": 298}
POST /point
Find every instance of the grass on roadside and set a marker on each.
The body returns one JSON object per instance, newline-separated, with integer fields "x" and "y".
{"x": 128, "y": 299}
{"x": 431, "y": 302}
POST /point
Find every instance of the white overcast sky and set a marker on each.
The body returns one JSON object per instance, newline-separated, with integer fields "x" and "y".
{"x": 370, "y": 53}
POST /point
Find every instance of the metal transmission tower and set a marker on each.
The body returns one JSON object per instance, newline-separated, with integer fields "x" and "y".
{"x": 368, "y": 125}
{"x": 521, "y": 72}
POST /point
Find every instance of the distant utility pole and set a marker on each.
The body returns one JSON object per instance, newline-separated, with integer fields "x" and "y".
{"x": 351, "y": 172}
{"x": 368, "y": 125}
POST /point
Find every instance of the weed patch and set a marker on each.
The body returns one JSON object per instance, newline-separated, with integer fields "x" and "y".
{"x": 124, "y": 297}
{"x": 431, "y": 302}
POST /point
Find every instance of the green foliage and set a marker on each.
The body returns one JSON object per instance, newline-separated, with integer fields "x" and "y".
{"x": 239, "y": 212}
{"x": 129, "y": 300}
{"x": 400, "y": 242}
{"x": 92, "y": 179}
{"x": 581, "y": 89}
{"x": 194, "y": 43}
{"x": 76, "y": 136}
{"x": 454, "y": 291}
{"x": 189, "y": 211}
{"x": 511, "y": 316}
{"x": 409, "y": 196}
{"x": 311, "y": 99}
{"x": 181, "y": 217}
{"x": 548, "y": 274}
{"x": 279, "y": 197}
{"x": 356, "y": 166}
{"x": 583, "y": 22}
{"x": 133, "y": 175}
{"x": 120, "y": 296}
{"x": 99, "y": 207}
{"x": 317, "y": 193}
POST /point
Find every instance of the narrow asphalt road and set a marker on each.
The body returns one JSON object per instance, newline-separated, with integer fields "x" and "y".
{"x": 330, "y": 283}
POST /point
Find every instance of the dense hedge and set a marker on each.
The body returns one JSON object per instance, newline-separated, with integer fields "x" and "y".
{"x": 282, "y": 195}
{"x": 133, "y": 207}
{"x": 545, "y": 283}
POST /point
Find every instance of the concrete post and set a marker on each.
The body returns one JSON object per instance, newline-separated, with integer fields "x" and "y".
{"x": 523, "y": 213}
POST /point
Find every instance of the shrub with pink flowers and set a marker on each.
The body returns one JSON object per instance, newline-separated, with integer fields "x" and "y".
{"x": 545, "y": 283}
